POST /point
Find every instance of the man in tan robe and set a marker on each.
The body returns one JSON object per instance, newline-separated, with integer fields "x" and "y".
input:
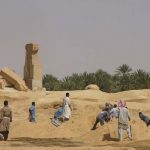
{"x": 123, "y": 120}
{"x": 5, "y": 119}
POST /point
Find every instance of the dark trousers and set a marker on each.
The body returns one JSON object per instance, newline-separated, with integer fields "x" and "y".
{"x": 148, "y": 123}
{"x": 5, "y": 134}
{"x": 96, "y": 122}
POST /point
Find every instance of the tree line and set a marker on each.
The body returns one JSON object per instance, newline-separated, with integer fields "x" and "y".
{"x": 123, "y": 79}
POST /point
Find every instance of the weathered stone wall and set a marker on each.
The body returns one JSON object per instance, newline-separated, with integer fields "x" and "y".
{"x": 33, "y": 68}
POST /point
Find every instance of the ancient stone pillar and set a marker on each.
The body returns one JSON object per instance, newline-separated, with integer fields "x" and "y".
{"x": 32, "y": 68}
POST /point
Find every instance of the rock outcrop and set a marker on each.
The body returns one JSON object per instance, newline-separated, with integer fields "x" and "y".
{"x": 92, "y": 87}
{"x": 10, "y": 78}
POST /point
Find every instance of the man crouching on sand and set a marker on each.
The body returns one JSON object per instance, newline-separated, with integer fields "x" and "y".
{"x": 144, "y": 118}
{"x": 5, "y": 119}
{"x": 101, "y": 118}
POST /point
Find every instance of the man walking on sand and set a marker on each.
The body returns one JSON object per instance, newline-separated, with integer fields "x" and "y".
{"x": 67, "y": 108}
{"x": 32, "y": 113}
{"x": 123, "y": 118}
{"x": 5, "y": 119}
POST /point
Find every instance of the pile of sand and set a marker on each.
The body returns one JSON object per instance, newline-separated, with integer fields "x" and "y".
{"x": 92, "y": 87}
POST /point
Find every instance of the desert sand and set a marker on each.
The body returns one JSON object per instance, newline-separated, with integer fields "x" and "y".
{"x": 74, "y": 134}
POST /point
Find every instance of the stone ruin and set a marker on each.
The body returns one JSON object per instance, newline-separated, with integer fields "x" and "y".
{"x": 8, "y": 78}
{"x": 32, "y": 72}
{"x": 33, "y": 68}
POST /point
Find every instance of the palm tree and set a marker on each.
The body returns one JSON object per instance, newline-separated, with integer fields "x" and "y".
{"x": 77, "y": 81}
{"x": 124, "y": 76}
{"x": 103, "y": 80}
{"x": 115, "y": 83}
{"x": 50, "y": 82}
{"x": 66, "y": 83}
{"x": 124, "y": 69}
{"x": 141, "y": 79}
{"x": 88, "y": 78}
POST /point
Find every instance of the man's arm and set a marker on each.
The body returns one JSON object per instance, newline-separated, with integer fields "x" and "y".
{"x": 69, "y": 103}
{"x": 10, "y": 115}
{"x": 107, "y": 116}
{"x": 70, "y": 107}
{"x": 129, "y": 116}
{"x": 1, "y": 115}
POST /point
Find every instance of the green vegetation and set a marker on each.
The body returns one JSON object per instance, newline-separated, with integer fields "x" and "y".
{"x": 124, "y": 79}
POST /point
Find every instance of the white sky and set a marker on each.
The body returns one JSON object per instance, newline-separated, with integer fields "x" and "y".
{"x": 76, "y": 35}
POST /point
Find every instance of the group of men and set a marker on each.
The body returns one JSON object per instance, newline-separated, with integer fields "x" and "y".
{"x": 63, "y": 112}
{"x": 6, "y": 115}
{"x": 119, "y": 112}
{"x": 110, "y": 111}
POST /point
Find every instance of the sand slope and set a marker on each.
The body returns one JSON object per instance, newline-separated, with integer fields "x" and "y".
{"x": 75, "y": 133}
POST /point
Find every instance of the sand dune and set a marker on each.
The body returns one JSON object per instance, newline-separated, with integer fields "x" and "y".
{"x": 76, "y": 133}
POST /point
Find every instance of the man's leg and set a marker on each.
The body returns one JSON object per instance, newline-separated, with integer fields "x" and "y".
{"x": 120, "y": 134}
{"x": 96, "y": 122}
{"x": 5, "y": 135}
{"x": 66, "y": 119}
{"x": 101, "y": 122}
{"x": 33, "y": 120}
{"x": 30, "y": 117}
{"x": 129, "y": 133}
{"x": 1, "y": 136}
{"x": 148, "y": 123}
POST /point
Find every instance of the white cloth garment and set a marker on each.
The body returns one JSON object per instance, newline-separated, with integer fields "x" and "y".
{"x": 114, "y": 112}
{"x": 67, "y": 111}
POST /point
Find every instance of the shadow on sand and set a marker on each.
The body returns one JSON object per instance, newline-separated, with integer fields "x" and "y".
{"x": 107, "y": 137}
{"x": 64, "y": 142}
{"x": 138, "y": 145}
{"x": 45, "y": 142}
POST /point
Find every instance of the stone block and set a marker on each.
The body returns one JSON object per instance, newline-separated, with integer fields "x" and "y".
{"x": 14, "y": 79}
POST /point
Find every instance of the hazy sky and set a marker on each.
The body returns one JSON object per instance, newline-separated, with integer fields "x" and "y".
{"x": 76, "y": 35}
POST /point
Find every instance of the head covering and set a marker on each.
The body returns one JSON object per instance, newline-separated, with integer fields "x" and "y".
{"x": 121, "y": 103}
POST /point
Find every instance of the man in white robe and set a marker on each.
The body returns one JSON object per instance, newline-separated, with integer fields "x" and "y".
{"x": 67, "y": 108}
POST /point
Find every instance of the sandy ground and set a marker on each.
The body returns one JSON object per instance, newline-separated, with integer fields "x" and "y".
{"x": 74, "y": 134}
